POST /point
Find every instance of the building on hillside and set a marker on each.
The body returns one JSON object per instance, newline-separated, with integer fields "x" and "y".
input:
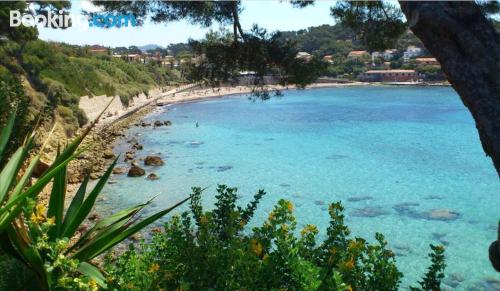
{"x": 303, "y": 56}
{"x": 98, "y": 50}
{"x": 427, "y": 61}
{"x": 328, "y": 59}
{"x": 411, "y": 52}
{"x": 134, "y": 58}
{"x": 385, "y": 55}
{"x": 358, "y": 55}
{"x": 389, "y": 76}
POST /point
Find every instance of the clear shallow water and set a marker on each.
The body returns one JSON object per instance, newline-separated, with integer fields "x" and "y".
{"x": 409, "y": 150}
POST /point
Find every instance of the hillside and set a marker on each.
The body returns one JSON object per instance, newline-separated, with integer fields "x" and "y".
{"x": 45, "y": 80}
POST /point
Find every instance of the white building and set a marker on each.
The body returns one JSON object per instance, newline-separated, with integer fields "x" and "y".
{"x": 411, "y": 52}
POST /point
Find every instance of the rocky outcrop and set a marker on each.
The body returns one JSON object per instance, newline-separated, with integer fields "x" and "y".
{"x": 135, "y": 171}
{"x": 153, "y": 177}
{"x": 153, "y": 161}
{"x": 119, "y": 170}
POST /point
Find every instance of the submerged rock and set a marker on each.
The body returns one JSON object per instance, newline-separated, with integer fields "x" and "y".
{"x": 167, "y": 122}
{"x": 136, "y": 172}
{"x": 441, "y": 214}
{"x": 158, "y": 123}
{"x": 137, "y": 146}
{"x": 153, "y": 177}
{"x": 224, "y": 168}
{"x": 153, "y": 161}
{"x": 369, "y": 211}
{"x": 284, "y": 185}
{"x": 319, "y": 202}
{"x": 359, "y": 198}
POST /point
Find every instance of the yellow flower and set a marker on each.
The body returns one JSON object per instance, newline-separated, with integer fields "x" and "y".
{"x": 349, "y": 264}
{"x": 256, "y": 247}
{"x": 349, "y": 288}
{"x": 310, "y": 228}
{"x": 289, "y": 206}
{"x": 51, "y": 220}
{"x": 38, "y": 215}
{"x": 154, "y": 268}
{"x": 93, "y": 285}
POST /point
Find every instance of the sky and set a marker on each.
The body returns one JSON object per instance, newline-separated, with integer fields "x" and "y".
{"x": 270, "y": 14}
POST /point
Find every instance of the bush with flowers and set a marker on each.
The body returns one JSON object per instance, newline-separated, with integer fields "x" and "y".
{"x": 216, "y": 250}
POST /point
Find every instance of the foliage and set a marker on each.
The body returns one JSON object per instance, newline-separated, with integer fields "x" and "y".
{"x": 47, "y": 239}
{"x": 435, "y": 273}
{"x": 378, "y": 24}
{"x": 217, "y": 250}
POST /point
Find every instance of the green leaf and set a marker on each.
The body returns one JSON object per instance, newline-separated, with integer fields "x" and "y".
{"x": 84, "y": 210}
{"x": 14, "y": 204}
{"x": 103, "y": 244}
{"x": 56, "y": 202}
{"x": 9, "y": 172}
{"x": 6, "y": 131}
{"x": 92, "y": 272}
{"x": 107, "y": 224}
{"x": 76, "y": 203}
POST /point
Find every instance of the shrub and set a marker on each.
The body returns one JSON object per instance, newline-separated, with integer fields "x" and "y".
{"x": 216, "y": 250}
{"x": 45, "y": 238}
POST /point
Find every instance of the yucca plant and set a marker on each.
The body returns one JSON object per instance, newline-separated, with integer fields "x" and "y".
{"x": 46, "y": 239}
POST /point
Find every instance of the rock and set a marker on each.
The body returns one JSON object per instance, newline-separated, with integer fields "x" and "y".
{"x": 136, "y": 237}
{"x": 95, "y": 176}
{"x": 144, "y": 124}
{"x": 129, "y": 156}
{"x": 158, "y": 123}
{"x": 153, "y": 161}
{"x": 359, "y": 198}
{"x": 74, "y": 177}
{"x": 137, "y": 146}
{"x": 441, "y": 214}
{"x": 167, "y": 122}
{"x": 319, "y": 202}
{"x": 224, "y": 168}
{"x": 83, "y": 227}
{"x": 93, "y": 216}
{"x": 136, "y": 172}
{"x": 119, "y": 170}
{"x": 453, "y": 280}
{"x": 153, "y": 177}
{"x": 108, "y": 154}
{"x": 369, "y": 211}
{"x": 40, "y": 168}
{"x": 156, "y": 230}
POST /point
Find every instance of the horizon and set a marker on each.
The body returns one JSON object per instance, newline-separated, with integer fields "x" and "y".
{"x": 163, "y": 34}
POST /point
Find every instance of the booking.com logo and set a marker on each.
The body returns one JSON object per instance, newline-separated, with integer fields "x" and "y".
{"x": 63, "y": 19}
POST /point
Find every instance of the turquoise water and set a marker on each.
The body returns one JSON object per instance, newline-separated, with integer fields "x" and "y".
{"x": 390, "y": 154}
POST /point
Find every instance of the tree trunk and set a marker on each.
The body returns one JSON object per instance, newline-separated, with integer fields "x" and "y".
{"x": 467, "y": 46}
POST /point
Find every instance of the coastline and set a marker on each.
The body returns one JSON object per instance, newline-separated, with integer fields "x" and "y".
{"x": 115, "y": 122}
